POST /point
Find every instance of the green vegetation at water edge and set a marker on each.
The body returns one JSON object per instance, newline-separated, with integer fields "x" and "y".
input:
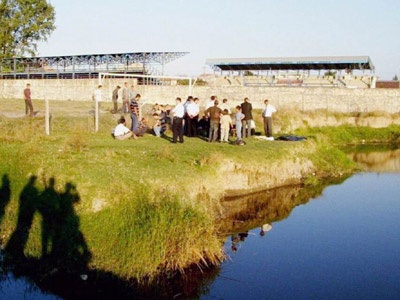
{"x": 148, "y": 207}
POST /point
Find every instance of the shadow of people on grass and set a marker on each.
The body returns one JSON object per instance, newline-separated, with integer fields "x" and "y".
{"x": 48, "y": 206}
{"x": 63, "y": 267}
{"x": 5, "y": 195}
{"x": 69, "y": 246}
{"x": 27, "y": 206}
{"x": 63, "y": 244}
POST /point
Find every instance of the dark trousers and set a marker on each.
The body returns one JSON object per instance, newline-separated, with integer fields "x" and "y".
{"x": 191, "y": 126}
{"x": 177, "y": 129}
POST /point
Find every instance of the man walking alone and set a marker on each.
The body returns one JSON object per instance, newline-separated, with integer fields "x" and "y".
{"x": 28, "y": 100}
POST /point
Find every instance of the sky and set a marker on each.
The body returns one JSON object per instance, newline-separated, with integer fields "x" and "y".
{"x": 229, "y": 29}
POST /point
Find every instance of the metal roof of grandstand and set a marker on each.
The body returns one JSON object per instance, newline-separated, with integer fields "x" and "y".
{"x": 66, "y": 66}
{"x": 293, "y": 63}
{"x": 159, "y": 57}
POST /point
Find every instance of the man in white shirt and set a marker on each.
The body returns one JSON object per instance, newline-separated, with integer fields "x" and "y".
{"x": 192, "y": 112}
{"x": 97, "y": 95}
{"x": 125, "y": 98}
{"x": 121, "y": 132}
{"x": 210, "y": 102}
{"x": 177, "y": 122}
{"x": 267, "y": 116}
{"x": 225, "y": 105}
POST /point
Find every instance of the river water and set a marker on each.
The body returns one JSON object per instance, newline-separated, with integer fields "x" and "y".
{"x": 337, "y": 241}
{"x": 343, "y": 244}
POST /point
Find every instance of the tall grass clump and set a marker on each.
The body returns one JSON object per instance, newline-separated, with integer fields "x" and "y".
{"x": 22, "y": 131}
{"x": 142, "y": 237}
{"x": 332, "y": 162}
{"x": 77, "y": 141}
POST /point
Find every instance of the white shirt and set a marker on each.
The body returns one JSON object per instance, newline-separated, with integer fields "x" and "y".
{"x": 209, "y": 104}
{"x": 269, "y": 110}
{"x": 125, "y": 94}
{"x": 192, "y": 109}
{"x": 121, "y": 130}
{"x": 97, "y": 95}
{"x": 225, "y": 106}
{"x": 178, "y": 111}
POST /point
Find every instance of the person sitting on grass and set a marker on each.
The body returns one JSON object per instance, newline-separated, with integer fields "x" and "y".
{"x": 160, "y": 125}
{"x": 121, "y": 132}
{"x": 142, "y": 127}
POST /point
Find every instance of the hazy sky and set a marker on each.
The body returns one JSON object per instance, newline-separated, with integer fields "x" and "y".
{"x": 230, "y": 29}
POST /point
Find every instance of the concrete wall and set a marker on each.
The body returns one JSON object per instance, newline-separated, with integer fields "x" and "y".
{"x": 311, "y": 98}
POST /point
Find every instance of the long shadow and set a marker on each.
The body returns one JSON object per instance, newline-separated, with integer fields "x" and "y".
{"x": 49, "y": 207}
{"x": 5, "y": 195}
{"x": 27, "y": 206}
{"x": 63, "y": 268}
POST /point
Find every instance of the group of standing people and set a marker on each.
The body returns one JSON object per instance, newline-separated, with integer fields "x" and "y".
{"x": 127, "y": 93}
{"x": 184, "y": 118}
{"x": 218, "y": 119}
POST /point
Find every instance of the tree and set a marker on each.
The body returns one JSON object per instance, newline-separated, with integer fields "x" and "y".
{"x": 395, "y": 78}
{"x": 248, "y": 73}
{"x": 23, "y": 23}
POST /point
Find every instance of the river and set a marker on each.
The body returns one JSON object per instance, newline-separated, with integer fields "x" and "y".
{"x": 339, "y": 240}
{"x": 343, "y": 244}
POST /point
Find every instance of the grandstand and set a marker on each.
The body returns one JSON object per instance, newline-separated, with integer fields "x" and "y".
{"x": 86, "y": 66}
{"x": 335, "y": 71}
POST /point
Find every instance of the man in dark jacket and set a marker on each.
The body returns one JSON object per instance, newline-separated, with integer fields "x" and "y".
{"x": 115, "y": 99}
{"x": 214, "y": 113}
{"x": 248, "y": 117}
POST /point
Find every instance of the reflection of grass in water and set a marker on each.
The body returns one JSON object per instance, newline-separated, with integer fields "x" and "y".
{"x": 248, "y": 212}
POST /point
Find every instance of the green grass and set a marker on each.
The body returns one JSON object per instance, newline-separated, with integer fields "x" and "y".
{"x": 348, "y": 134}
{"x": 148, "y": 206}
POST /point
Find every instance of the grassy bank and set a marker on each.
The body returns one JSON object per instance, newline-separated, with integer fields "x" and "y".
{"x": 144, "y": 207}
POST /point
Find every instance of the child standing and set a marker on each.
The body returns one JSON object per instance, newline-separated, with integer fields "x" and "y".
{"x": 239, "y": 116}
{"x": 226, "y": 123}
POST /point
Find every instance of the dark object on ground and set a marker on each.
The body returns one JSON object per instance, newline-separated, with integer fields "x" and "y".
{"x": 291, "y": 138}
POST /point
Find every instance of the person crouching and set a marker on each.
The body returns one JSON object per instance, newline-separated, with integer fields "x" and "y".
{"x": 121, "y": 132}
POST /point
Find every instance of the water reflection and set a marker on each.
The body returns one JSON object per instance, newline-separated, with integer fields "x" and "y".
{"x": 240, "y": 214}
{"x": 378, "y": 161}
{"x": 265, "y": 228}
{"x": 342, "y": 246}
